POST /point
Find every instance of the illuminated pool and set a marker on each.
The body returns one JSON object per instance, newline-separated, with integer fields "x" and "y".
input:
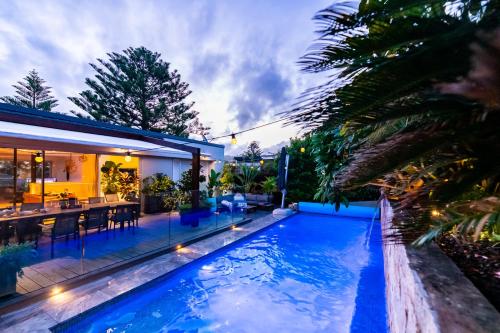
{"x": 308, "y": 273}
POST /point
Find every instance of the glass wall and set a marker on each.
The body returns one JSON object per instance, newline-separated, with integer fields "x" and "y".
{"x": 7, "y": 171}
{"x": 32, "y": 176}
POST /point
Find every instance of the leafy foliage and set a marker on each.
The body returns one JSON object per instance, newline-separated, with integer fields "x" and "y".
{"x": 185, "y": 183}
{"x": 247, "y": 178}
{"x": 32, "y": 93}
{"x": 137, "y": 89}
{"x": 214, "y": 183}
{"x": 227, "y": 178}
{"x": 393, "y": 113}
{"x": 302, "y": 176}
{"x": 269, "y": 185}
{"x": 110, "y": 177}
{"x": 159, "y": 183}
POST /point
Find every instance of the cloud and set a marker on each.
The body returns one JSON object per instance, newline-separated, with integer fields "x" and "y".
{"x": 239, "y": 57}
{"x": 262, "y": 88}
{"x": 208, "y": 67}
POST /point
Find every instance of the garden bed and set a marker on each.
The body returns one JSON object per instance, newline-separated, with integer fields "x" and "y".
{"x": 480, "y": 262}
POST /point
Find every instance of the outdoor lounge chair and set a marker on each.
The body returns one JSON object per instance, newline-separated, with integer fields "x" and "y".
{"x": 28, "y": 229}
{"x": 262, "y": 201}
{"x": 96, "y": 218}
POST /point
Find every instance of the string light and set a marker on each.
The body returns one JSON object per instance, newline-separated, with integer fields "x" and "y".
{"x": 38, "y": 157}
{"x": 128, "y": 158}
{"x": 233, "y": 139}
{"x": 302, "y": 149}
{"x": 261, "y": 162}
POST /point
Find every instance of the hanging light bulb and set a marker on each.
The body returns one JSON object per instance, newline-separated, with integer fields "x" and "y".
{"x": 261, "y": 162}
{"x": 302, "y": 149}
{"x": 128, "y": 158}
{"x": 38, "y": 157}
{"x": 233, "y": 139}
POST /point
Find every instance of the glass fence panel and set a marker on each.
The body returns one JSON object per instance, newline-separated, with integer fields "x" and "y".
{"x": 109, "y": 233}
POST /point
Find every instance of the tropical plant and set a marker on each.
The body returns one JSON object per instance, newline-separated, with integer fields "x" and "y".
{"x": 247, "y": 177}
{"x": 12, "y": 259}
{"x": 129, "y": 186}
{"x": 269, "y": 185}
{"x": 214, "y": 183}
{"x": 302, "y": 178}
{"x": 227, "y": 178}
{"x": 393, "y": 113}
{"x": 185, "y": 183}
{"x": 32, "y": 93}
{"x": 159, "y": 183}
{"x": 110, "y": 177}
{"x": 137, "y": 89}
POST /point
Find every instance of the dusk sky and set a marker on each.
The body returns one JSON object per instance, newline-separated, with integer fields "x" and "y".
{"x": 239, "y": 57}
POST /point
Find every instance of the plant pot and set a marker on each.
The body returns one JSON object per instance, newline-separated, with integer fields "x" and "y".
{"x": 153, "y": 204}
{"x": 8, "y": 280}
{"x": 192, "y": 217}
{"x": 213, "y": 204}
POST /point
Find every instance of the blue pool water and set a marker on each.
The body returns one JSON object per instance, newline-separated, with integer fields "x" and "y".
{"x": 308, "y": 273}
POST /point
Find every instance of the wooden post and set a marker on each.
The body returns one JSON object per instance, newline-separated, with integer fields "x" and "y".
{"x": 195, "y": 167}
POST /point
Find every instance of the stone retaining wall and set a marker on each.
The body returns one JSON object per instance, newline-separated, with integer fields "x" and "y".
{"x": 426, "y": 292}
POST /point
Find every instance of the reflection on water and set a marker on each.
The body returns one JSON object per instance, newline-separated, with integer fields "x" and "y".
{"x": 302, "y": 277}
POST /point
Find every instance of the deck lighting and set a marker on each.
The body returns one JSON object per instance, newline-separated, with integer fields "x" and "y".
{"x": 38, "y": 157}
{"x": 128, "y": 158}
{"x": 233, "y": 227}
{"x": 302, "y": 149}
{"x": 233, "y": 139}
{"x": 178, "y": 247}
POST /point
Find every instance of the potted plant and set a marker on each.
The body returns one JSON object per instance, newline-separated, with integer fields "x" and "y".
{"x": 269, "y": 186}
{"x": 213, "y": 186}
{"x": 155, "y": 188}
{"x": 12, "y": 259}
{"x": 190, "y": 216}
{"x": 111, "y": 176}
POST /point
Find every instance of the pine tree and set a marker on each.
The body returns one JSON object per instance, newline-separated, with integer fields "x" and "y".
{"x": 197, "y": 127}
{"x": 253, "y": 152}
{"x": 32, "y": 93}
{"x": 137, "y": 89}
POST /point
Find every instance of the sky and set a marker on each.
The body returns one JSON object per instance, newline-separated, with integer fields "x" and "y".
{"x": 239, "y": 56}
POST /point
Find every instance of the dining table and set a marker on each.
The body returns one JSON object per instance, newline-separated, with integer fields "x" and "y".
{"x": 53, "y": 212}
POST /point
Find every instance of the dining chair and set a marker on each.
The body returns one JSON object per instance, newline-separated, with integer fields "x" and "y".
{"x": 122, "y": 214}
{"x": 31, "y": 206}
{"x": 6, "y": 232}
{"x": 28, "y": 229}
{"x": 96, "y": 218}
{"x": 64, "y": 225}
{"x": 112, "y": 197}
{"x": 96, "y": 200}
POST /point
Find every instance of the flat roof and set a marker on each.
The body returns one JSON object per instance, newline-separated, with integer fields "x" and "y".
{"x": 62, "y": 118}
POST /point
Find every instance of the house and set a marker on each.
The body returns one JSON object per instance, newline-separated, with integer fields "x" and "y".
{"x": 46, "y": 155}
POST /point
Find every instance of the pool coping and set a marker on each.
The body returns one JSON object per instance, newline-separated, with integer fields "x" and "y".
{"x": 60, "y": 327}
{"x": 46, "y": 316}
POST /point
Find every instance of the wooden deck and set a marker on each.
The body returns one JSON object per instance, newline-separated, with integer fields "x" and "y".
{"x": 74, "y": 258}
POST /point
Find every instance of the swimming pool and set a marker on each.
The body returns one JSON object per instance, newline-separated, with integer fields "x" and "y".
{"x": 308, "y": 273}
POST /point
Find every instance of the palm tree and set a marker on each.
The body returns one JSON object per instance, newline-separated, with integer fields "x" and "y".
{"x": 392, "y": 115}
{"x": 32, "y": 93}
